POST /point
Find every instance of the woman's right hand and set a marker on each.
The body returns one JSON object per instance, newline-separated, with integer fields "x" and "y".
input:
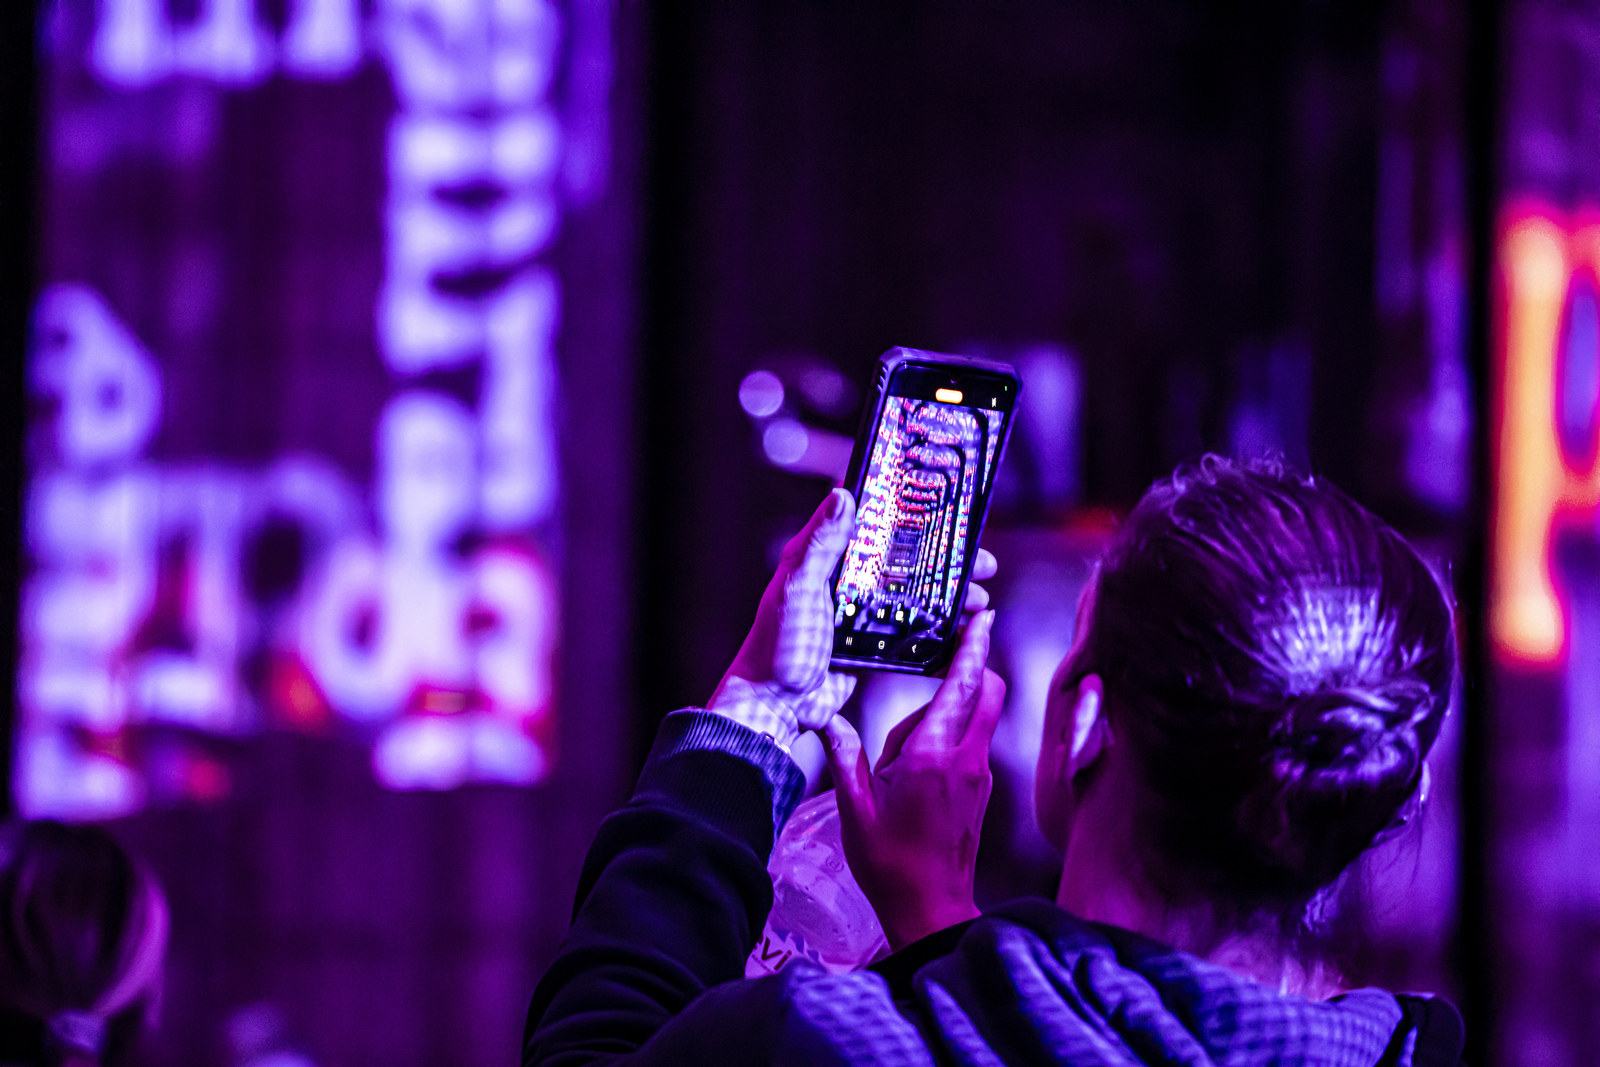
{"x": 911, "y": 825}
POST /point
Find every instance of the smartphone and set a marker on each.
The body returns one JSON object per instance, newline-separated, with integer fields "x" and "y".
{"x": 922, "y": 472}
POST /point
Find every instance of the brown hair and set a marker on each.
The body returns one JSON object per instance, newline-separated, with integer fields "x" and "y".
{"x": 1285, "y": 660}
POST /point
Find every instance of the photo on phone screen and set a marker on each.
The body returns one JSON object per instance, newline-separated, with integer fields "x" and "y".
{"x": 923, "y": 493}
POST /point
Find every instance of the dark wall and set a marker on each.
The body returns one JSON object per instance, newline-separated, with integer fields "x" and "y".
{"x": 18, "y": 135}
{"x": 1169, "y": 193}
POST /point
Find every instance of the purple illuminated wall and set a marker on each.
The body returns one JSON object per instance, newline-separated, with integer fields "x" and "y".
{"x": 321, "y": 284}
{"x": 1543, "y": 732}
{"x": 295, "y": 458}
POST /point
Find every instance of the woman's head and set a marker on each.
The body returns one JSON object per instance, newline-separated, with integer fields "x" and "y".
{"x": 83, "y": 932}
{"x": 1277, "y": 661}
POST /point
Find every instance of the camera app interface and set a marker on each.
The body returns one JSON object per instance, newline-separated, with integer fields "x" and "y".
{"x": 929, "y": 471}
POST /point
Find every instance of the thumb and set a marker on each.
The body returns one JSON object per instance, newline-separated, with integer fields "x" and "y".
{"x": 852, "y": 776}
{"x": 804, "y": 639}
{"x": 821, "y": 704}
{"x": 828, "y": 538}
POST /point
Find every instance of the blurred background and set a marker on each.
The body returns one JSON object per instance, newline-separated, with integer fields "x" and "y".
{"x": 408, "y": 398}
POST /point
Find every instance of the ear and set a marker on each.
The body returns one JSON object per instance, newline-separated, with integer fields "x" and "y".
{"x": 1075, "y": 736}
{"x": 1091, "y": 735}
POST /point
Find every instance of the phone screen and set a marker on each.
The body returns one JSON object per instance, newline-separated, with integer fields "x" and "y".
{"x": 924, "y": 492}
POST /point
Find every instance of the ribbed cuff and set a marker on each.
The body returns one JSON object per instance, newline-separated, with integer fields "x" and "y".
{"x": 755, "y": 706}
{"x": 679, "y": 773}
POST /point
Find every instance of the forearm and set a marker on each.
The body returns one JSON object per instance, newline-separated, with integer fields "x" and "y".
{"x": 672, "y": 895}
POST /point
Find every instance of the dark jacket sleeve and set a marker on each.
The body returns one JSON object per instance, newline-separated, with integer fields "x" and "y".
{"x": 672, "y": 897}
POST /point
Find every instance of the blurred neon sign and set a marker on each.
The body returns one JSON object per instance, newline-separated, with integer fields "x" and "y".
{"x": 426, "y": 611}
{"x": 138, "y": 43}
{"x": 1547, "y": 417}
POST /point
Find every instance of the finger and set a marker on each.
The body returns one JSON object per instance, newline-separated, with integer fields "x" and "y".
{"x": 958, "y": 694}
{"x": 803, "y": 642}
{"x": 795, "y": 547}
{"x": 852, "y": 778}
{"x": 897, "y": 737}
{"x": 977, "y": 599}
{"x": 985, "y": 566}
{"x": 986, "y": 715}
{"x": 824, "y": 702}
{"x": 828, "y": 539}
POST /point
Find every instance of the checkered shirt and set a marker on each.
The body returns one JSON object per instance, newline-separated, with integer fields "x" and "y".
{"x": 1030, "y": 984}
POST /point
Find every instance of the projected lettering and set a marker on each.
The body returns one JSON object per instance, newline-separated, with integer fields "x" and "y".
{"x": 138, "y": 43}
{"x": 212, "y": 599}
{"x": 465, "y": 651}
{"x": 134, "y": 611}
{"x": 1549, "y": 417}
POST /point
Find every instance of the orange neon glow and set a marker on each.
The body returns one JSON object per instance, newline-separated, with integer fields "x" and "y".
{"x": 1540, "y": 250}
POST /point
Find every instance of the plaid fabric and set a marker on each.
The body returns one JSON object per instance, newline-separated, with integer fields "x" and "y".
{"x": 1030, "y": 984}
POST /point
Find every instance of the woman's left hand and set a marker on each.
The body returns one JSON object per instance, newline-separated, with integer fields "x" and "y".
{"x": 779, "y": 684}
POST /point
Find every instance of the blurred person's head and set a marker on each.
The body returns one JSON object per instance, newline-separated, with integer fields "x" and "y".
{"x": 83, "y": 932}
{"x": 1259, "y": 669}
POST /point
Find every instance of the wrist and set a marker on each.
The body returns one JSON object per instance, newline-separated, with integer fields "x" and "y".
{"x": 754, "y": 705}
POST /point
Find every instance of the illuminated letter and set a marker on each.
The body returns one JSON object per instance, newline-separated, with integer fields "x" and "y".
{"x": 324, "y": 40}
{"x": 1535, "y": 484}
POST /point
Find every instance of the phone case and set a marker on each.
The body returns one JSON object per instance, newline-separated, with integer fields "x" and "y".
{"x": 888, "y": 363}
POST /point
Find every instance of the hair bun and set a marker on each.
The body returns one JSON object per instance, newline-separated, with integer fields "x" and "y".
{"x": 1333, "y": 725}
{"x": 1340, "y": 764}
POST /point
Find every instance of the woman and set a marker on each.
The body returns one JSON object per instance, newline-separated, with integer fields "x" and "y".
{"x": 1258, "y": 672}
{"x": 83, "y": 932}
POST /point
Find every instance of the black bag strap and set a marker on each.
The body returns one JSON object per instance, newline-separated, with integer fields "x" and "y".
{"x": 1441, "y": 1035}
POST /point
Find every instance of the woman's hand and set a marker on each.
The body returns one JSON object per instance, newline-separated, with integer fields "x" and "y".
{"x": 911, "y": 826}
{"x": 779, "y": 683}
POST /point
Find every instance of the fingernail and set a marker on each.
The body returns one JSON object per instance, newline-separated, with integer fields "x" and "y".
{"x": 835, "y": 504}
